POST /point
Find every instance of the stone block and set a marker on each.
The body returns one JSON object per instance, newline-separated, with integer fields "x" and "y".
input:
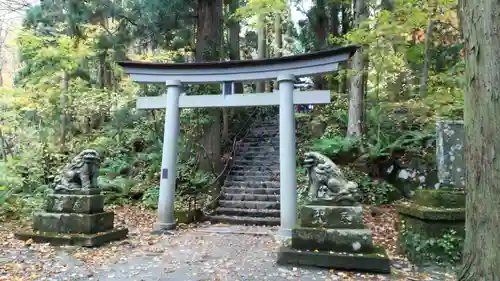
{"x": 90, "y": 191}
{"x": 338, "y": 240}
{"x": 376, "y": 262}
{"x": 332, "y": 216}
{"x": 65, "y": 203}
{"x": 85, "y": 240}
{"x": 450, "y": 153}
{"x": 432, "y": 228}
{"x": 73, "y": 223}
{"x": 421, "y": 224}
{"x": 449, "y": 199}
{"x": 431, "y": 213}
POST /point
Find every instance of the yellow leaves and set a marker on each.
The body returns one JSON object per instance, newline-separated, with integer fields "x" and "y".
{"x": 163, "y": 56}
{"x": 255, "y": 8}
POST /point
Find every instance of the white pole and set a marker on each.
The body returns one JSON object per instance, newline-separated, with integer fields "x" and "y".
{"x": 169, "y": 158}
{"x": 288, "y": 177}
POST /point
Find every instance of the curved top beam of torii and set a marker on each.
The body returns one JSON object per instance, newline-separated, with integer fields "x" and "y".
{"x": 245, "y": 70}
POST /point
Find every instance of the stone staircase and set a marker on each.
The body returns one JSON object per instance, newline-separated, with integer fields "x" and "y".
{"x": 251, "y": 191}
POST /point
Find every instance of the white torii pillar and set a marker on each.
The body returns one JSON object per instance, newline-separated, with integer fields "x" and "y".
{"x": 285, "y": 69}
{"x": 286, "y": 98}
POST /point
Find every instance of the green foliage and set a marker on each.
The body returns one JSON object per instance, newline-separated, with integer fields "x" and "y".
{"x": 446, "y": 250}
{"x": 375, "y": 191}
{"x": 335, "y": 146}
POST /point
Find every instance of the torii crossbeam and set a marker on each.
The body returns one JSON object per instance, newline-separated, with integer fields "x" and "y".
{"x": 284, "y": 69}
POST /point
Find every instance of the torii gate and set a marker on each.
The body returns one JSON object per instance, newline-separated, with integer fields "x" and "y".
{"x": 284, "y": 69}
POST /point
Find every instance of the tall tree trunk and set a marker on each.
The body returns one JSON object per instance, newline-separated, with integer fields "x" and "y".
{"x": 320, "y": 27}
{"x": 346, "y": 26}
{"x": 63, "y": 126}
{"x": 261, "y": 47}
{"x": 356, "y": 95}
{"x": 334, "y": 30}
{"x": 480, "y": 21}
{"x": 427, "y": 56}
{"x": 278, "y": 40}
{"x": 234, "y": 39}
{"x": 208, "y": 48}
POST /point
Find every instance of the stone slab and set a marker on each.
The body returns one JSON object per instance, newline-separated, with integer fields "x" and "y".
{"x": 450, "y": 153}
{"x": 374, "y": 262}
{"x": 338, "y": 240}
{"x": 332, "y": 216}
{"x": 85, "y": 240}
{"x": 323, "y": 202}
{"x": 439, "y": 198}
{"x": 431, "y": 228}
{"x": 90, "y": 191}
{"x": 431, "y": 213}
{"x": 73, "y": 223}
{"x": 84, "y": 204}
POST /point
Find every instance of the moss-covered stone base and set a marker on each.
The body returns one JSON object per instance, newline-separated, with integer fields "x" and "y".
{"x": 89, "y": 240}
{"x": 376, "y": 262}
{"x": 332, "y": 216}
{"x": 333, "y": 236}
{"x": 433, "y": 226}
{"x": 339, "y": 240}
{"x": 73, "y": 223}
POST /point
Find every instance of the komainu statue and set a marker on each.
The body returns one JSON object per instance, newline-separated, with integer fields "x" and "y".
{"x": 323, "y": 173}
{"x": 81, "y": 173}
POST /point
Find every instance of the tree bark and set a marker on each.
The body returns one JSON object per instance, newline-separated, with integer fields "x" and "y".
{"x": 427, "y": 55}
{"x": 261, "y": 48}
{"x": 320, "y": 27}
{"x": 480, "y": 21}
{"x": 354, "y": 128}
{"x": 63, "y": 117}
{"x": 345, "y": 26}
{"x": 234, "y": 40}
{"x": 208, "y": 48}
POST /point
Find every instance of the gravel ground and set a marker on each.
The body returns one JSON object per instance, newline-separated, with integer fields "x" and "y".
{"x": 204, "y": 252}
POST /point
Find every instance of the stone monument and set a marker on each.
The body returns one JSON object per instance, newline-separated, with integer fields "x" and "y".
{"x": 331, "y": 232}
{"x": 439, "y": 210}
{"x": 74, "y": 213}
{"x": 450, "y": 137}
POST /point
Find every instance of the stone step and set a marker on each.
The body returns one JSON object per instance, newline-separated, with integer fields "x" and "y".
{"x": 262, "y": 178}
{"x": 265, "y": 129}
{"x": 261, "y": 158}
{"x": 274, "y": 121}
{"x": 261, "y": 139}
{"x": 245, "y": 173}
{"x": 259, "y": 145}
{"x": 264, "y": 164}
{"x": 251, "y": 190}
{"x": 260, "y": 213}
{"x": 251, "y": 197}
{"x": 252, "y": 184}
{"x": 256, "y": 168}
{"x": 262, "y": 149}
{"x": 271, "y": 221}
{"x": 262, "y": 154}
{"x": 259, "y": 205}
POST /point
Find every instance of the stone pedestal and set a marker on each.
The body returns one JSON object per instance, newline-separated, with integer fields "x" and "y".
{"x": 432, "y": 215}
{"x": 334, "y": 237}
{"x": 74, "y": 219}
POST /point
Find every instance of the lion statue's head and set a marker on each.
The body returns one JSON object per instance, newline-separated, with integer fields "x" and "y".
{"x": 86, "y": 156}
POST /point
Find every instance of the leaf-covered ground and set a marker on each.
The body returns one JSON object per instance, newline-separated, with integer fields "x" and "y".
{"x": 202, "y": 252}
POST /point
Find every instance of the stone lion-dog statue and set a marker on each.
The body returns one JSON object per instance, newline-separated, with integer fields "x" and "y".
{"x": 81, "y": 173}
{"x": 323, "y": 173}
